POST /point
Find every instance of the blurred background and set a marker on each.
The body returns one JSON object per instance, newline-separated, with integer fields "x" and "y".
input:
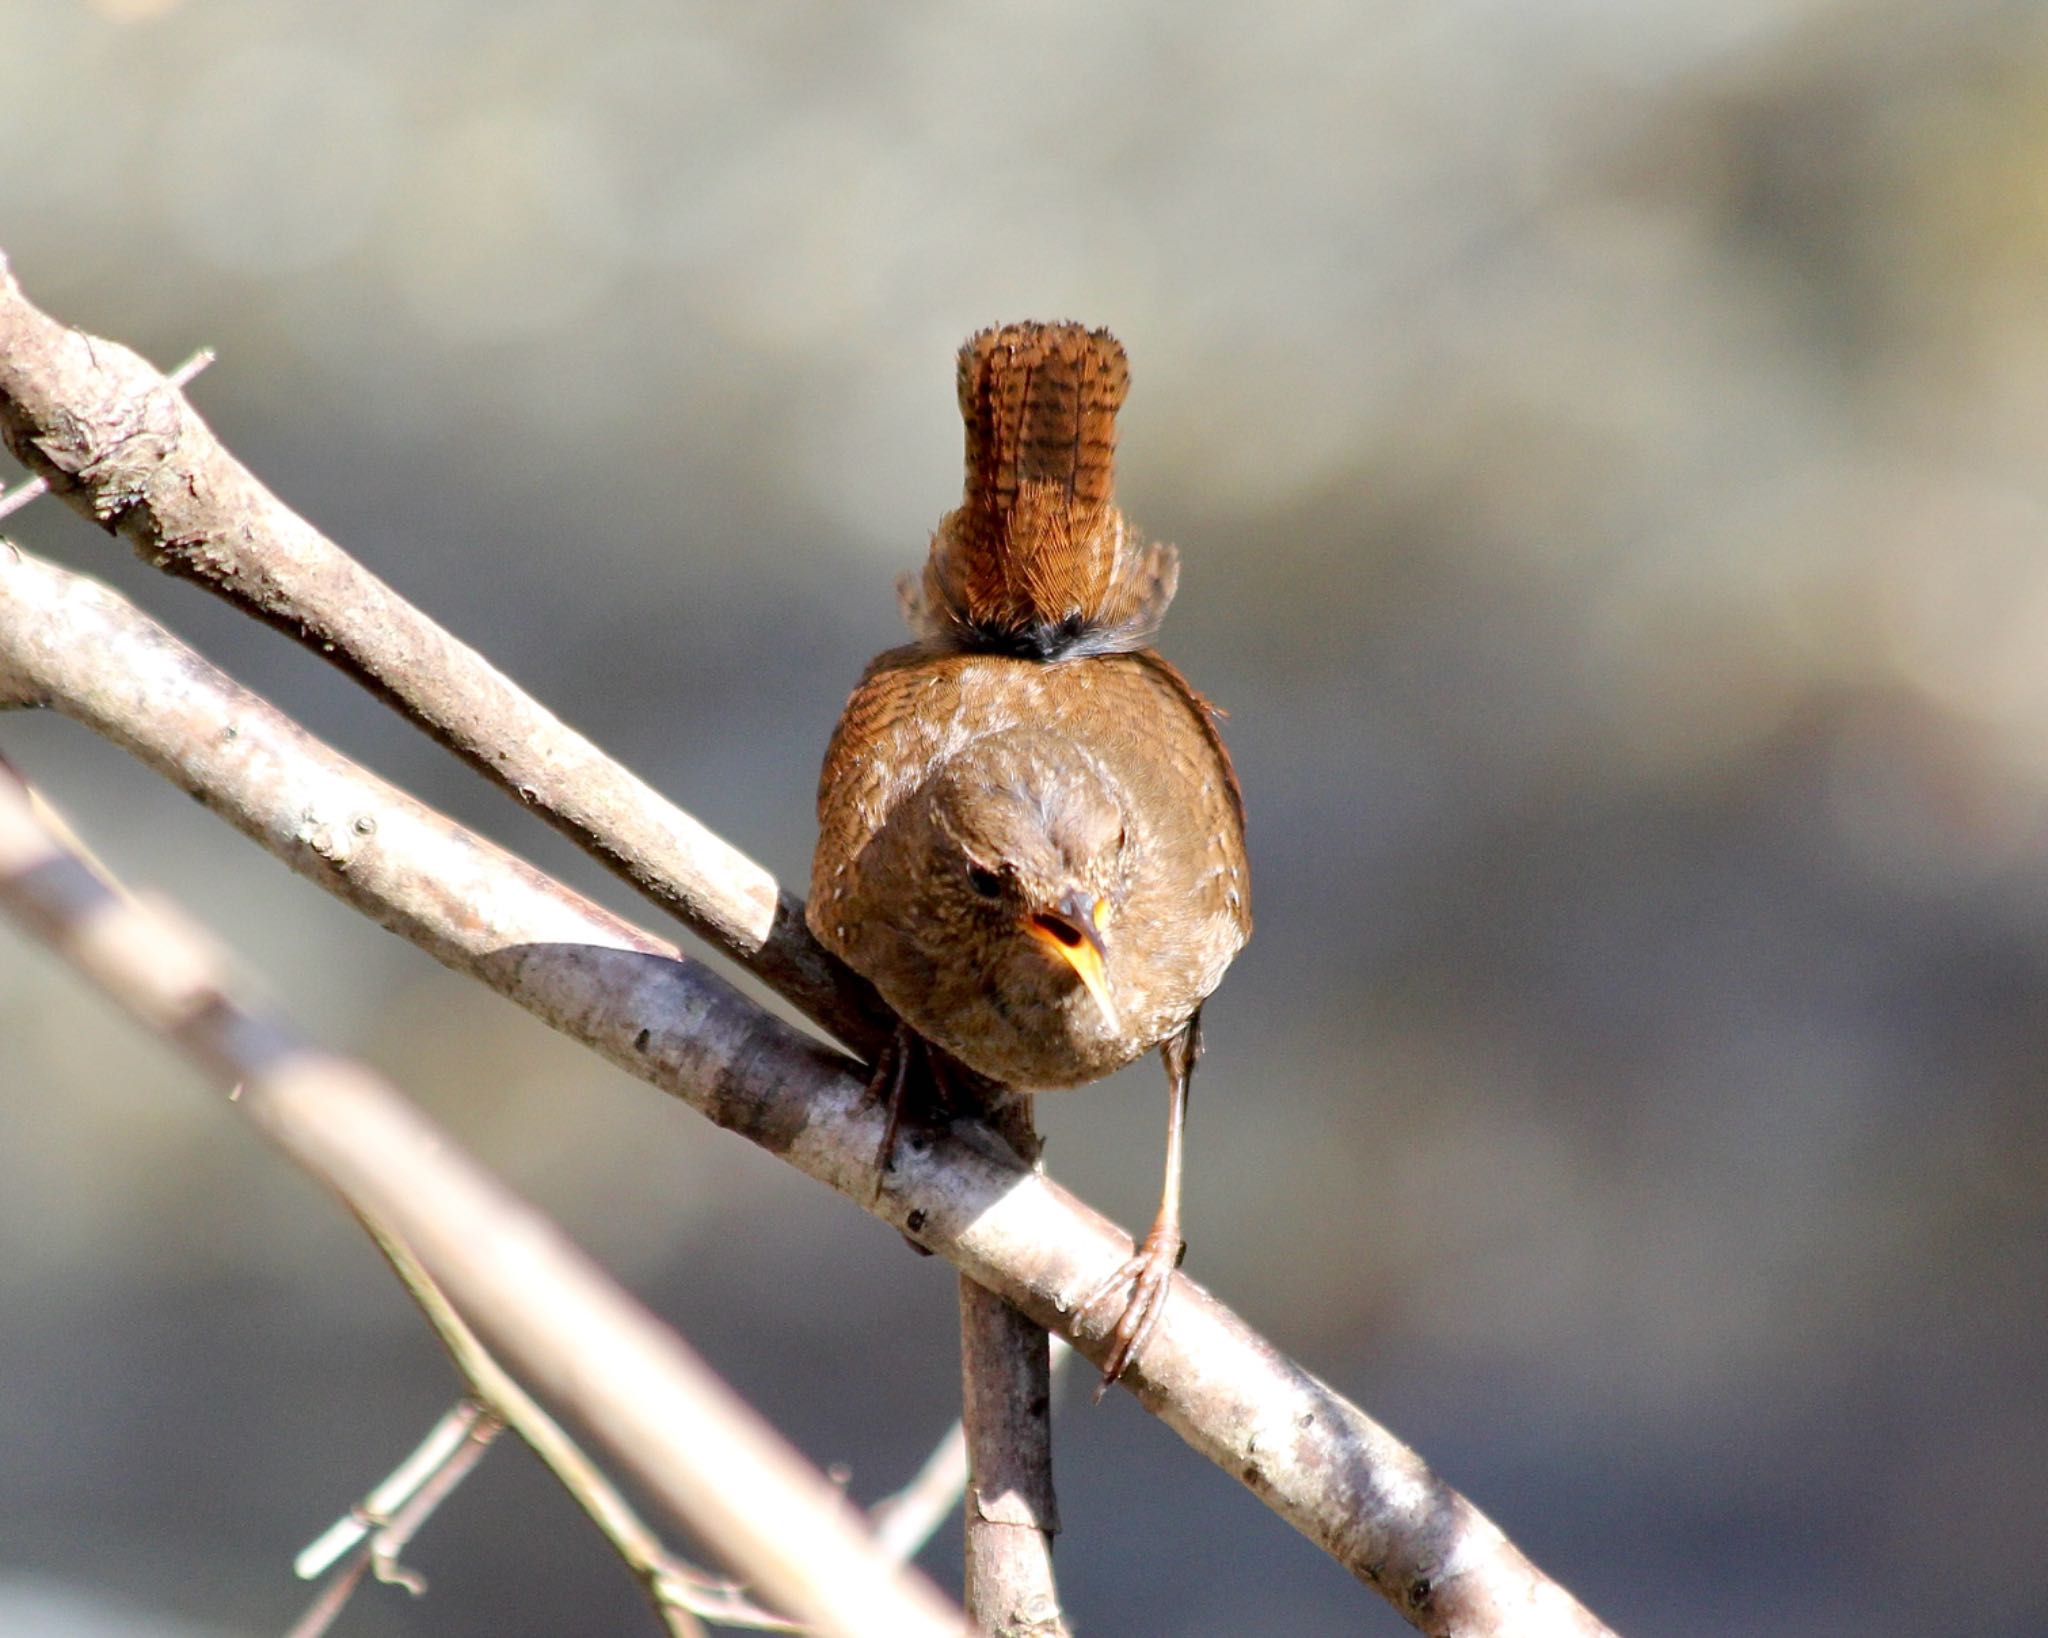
{"x": 1606, "y": 445}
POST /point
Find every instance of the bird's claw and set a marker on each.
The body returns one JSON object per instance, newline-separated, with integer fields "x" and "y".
{"x": 1148, "y": 1272}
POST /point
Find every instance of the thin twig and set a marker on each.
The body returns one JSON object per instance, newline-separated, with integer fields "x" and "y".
{"x": 444, "y": 1444}
{"x": 374, "y": 1532}
{"x": 370, "y": 1537}
{"x": 908, "y": 1518}
{"x": 1317, "y": 1460}
{"x": 13, "y": 500}
{"x": 707, "y": 1457}
{"x": 405, "y": 1522}
{"x": 331, "y": 1599}
{"x": 674, "y": 1588}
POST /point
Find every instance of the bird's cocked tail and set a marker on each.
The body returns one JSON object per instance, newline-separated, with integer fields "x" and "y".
{"x": 1038, "y": 561}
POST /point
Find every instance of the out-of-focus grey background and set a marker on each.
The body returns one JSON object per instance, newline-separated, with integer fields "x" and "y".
{"x": 1607, "y": 446}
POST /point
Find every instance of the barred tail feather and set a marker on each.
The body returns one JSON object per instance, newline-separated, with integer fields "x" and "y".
{"x": 1038, "y": 560}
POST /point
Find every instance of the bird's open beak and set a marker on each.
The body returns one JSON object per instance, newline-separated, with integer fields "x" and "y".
{"x": 1074, "y": 934}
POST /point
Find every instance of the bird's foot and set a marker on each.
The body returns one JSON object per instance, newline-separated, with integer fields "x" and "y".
{"x": 1148, "y": 1274}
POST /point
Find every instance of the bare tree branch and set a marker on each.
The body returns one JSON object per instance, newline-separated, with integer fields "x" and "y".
{"x": 1011, "y": 1514}
{"x": 193, "y": 510}
{"x": 120, "y": 446}
{"x": 1006, "y": 1419}
{"x": 697, "y": 1447}
{"x": 1326, "y": 1467}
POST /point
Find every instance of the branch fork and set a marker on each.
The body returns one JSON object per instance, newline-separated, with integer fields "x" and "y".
{"x": 119, "y": 443}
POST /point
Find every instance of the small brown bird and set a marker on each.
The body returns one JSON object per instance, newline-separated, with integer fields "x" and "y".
{"x": 1031, "y": 838}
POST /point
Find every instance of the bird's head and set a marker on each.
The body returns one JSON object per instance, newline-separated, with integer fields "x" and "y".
{"x": 1026, "y": 855}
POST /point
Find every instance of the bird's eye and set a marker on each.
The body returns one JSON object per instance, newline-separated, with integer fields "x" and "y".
{"x": 985, "y": 882}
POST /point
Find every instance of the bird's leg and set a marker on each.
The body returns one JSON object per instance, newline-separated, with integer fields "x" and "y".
{"x": 915, "y": 1083}
{"x": 1148, "y": 1272}
{"x": 889, "y": 1086}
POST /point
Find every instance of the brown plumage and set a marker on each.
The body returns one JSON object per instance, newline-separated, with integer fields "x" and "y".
{"x": 1037, "y": 560}
{"x": 1031, "y": 839}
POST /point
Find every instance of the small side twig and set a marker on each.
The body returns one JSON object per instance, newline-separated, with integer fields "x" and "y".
{"x": 445, "y": 1447}
{"x": 375, "y": 1532}
{"x": 677, "y": 1590}
{"x": 369, "y": 1538}
{"x": 904, "y": 1521}
{"x": 13, "y": 500}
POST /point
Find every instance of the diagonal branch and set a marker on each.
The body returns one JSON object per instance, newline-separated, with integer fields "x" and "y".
{"x": 121, "y": 444}
{"x": 68, "y": 642}
{"x": 143, "y": 463}
{"x": 711, "y": 1461}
